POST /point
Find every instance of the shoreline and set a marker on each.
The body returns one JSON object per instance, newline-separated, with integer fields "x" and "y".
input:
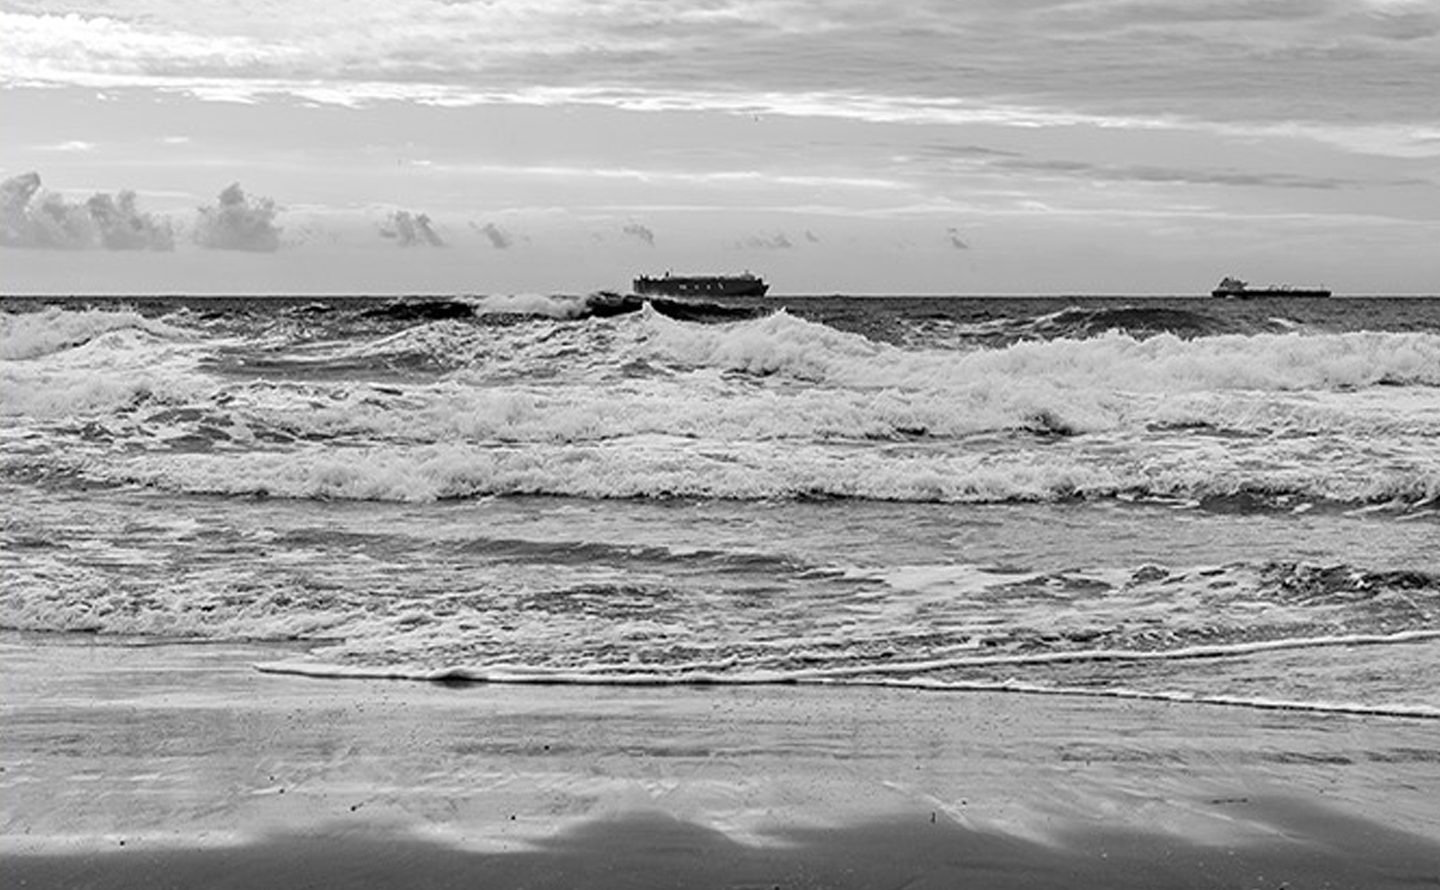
{"x": 895, "y": 677}
{"x": 211, "y": 772}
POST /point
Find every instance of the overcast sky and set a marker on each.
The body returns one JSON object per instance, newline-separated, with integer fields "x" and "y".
{"x": 926, "y": 146}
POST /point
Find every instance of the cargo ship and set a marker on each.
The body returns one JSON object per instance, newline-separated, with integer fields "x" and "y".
{"x": 1235, "y": 287}
{"x": 668, "y": 285}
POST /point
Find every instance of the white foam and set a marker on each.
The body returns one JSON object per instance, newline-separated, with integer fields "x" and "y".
{"x": 894, "y": 675}
{"x": 670, "y": 466}
{"x": 552, "y": 306}
{"x": 1416, "y": 712}
{"x": 781, "y": 343}
{"x": 26, "y": 335}
{"x": 552, "y": 382}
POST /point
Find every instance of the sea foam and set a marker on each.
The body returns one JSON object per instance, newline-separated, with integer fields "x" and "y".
{"x": 783, "y": 344}
{"x": 25, "y": 335}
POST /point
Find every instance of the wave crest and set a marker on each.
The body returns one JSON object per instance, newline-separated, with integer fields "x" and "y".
{"x": 28, "y": 335}
{"x": 666, "y": 467}
{"x": 783, "y": 344}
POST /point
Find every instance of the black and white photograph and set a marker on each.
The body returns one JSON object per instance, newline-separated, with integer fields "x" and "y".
{"x": 745, "y": 444}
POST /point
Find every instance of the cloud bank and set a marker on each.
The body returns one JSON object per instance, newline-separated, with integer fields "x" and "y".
{"x": 30, "y": 217}
{"x": 1338, "y": 63}
{"x": 237, "y": 222}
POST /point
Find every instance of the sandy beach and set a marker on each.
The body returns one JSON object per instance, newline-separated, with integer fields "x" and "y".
{"x": 132, "y": 765}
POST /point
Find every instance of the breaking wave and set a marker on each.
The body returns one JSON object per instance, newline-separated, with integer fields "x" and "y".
{"x": 1079, "y": 323}
{"x": 28, "y": 335}
{"x": 671, "y": 467}
{"x": 643, "y": 405}
{"x": 783, "y": 344}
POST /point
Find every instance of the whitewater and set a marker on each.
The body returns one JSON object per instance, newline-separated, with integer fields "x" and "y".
{"x": 1233, "y": 502}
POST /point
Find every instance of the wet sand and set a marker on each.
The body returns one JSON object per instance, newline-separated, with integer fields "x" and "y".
{"x": 172, "y": 765}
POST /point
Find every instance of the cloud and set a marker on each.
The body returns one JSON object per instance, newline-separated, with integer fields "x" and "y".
{"x": 1244, "y": 61}
{"x": 1358, "y": 74}
{"x": 1153, "y": 173}
{"x": 499, "y": 238}
{"x": 123, "y": 227}
{"x": 50, "y": 222}
{"x": 1130, "y": 13}
{"x": 778, "y": 241}
{"x": 638, "y": 231}
{"x": 30, "y": 217}
{"x": 968, "y": 159}
{"x": 967, "y": 151}
{"x": 238, "y": 223}
{"x": 955, "y": 240}
{"x": 411, "y": 230}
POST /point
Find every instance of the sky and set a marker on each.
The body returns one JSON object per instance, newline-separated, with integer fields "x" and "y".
{"x": 832, "y": 146}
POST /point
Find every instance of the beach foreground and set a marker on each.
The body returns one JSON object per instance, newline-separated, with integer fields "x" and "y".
{"x": 133, "y": 765}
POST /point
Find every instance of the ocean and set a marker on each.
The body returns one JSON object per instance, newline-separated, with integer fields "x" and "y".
{"x": 1232, "y": 502}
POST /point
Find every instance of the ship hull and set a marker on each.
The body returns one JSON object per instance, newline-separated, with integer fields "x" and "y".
{"x": 1257, "y": 292}
{"x": 701, "y": 286}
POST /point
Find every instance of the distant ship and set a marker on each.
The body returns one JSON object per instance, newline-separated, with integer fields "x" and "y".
{"x": 667, "y": 285}
{"x": 1234, "y": 287}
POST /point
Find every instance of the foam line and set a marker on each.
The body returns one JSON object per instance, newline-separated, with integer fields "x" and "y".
{"x": 863, "y": 676}
{"x": 1413, "y": 712}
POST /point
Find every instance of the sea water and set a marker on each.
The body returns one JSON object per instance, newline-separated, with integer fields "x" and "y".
{"x": 1233, "y": 502}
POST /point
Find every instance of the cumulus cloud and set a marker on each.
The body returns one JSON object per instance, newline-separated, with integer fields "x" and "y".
{"x": 123, "y": 227}
{"x": 635, "y": 230}
{"x": 411, "y": 230}
{"x": 238, "y": 222}
{"x": 30, "y": 217}
{"x": 499, "y": 238}
{"x": 48, "y": 222}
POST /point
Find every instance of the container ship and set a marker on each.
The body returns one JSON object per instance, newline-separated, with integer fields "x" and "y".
{"x": 668, "y": 285}
{"x": 1235, "y": 287}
